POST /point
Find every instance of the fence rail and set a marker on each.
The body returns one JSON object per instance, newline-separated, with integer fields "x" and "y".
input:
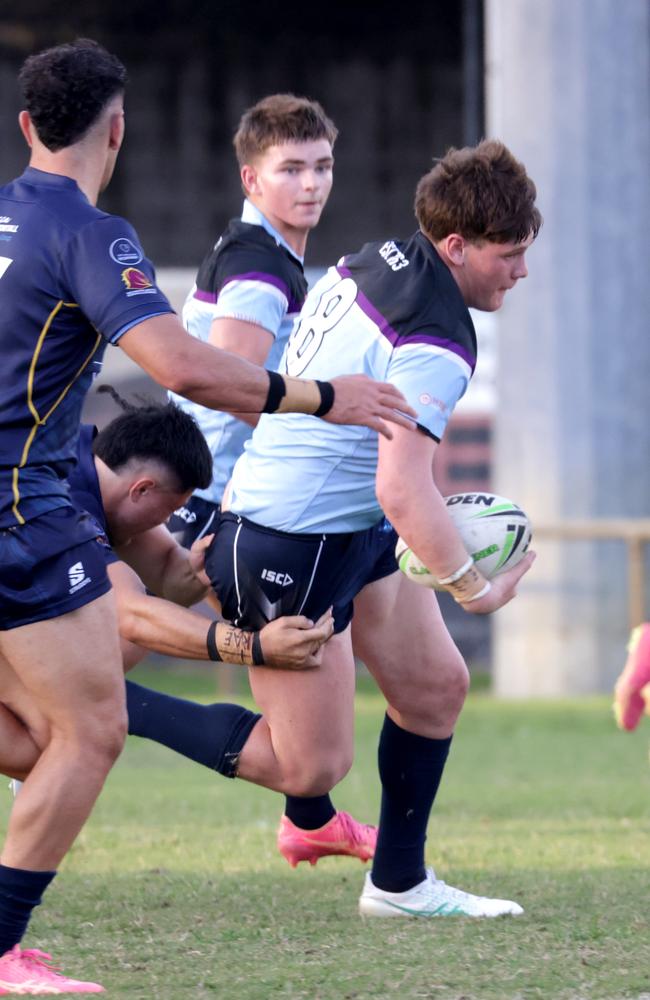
{"x": 636, "y": 535}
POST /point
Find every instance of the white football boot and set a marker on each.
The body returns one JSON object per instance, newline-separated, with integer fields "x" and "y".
{"x": 431, "y": 898}
{"x": 14, "y": 786}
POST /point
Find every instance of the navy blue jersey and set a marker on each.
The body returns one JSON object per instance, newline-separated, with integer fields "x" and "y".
{"x": 72, "y": 278}
{"x": 85, "y": 491}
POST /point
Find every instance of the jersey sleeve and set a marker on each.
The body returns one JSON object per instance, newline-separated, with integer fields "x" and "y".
{"x": 432, "y": 379}
{"x": 253, "y": 300}
{"x": 253, "y": 287}
{"x": 109, "y": 277}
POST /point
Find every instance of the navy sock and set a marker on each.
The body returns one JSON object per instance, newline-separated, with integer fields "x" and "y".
{"x": 410, "y": 768}
{"x": 309, "y": 813}
{"x": 20, "y": 892}
{"x": 212, "y": 735}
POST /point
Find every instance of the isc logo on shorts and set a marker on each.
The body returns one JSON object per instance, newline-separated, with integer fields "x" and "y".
{"x": 274, "y": 576}
{"x": 186, "y": 515}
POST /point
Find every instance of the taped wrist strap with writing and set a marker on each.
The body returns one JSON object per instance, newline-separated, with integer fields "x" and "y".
{"x": 226, "y": 643}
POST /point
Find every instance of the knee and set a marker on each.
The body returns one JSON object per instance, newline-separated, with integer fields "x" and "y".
{"x": 318, "y": 777}
{"x": 97, "y": 736}
{"x": 437, "y": 693}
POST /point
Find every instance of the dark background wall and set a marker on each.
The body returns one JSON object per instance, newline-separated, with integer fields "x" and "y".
{"x": 402, "y": 82}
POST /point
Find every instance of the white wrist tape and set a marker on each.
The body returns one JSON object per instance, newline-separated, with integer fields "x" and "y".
{"x": 459, "y": 572}
{"x": 476, "y": 597}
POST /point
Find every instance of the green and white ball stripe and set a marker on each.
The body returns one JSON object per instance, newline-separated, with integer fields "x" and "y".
{"x": 495, "y": 532}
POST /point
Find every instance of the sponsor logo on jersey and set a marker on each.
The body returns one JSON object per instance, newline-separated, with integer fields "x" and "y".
{"x": 6, "y": 229}
{"x": 277, "y": 576}
{"x": 136, "y": 282}
{"x": 124, "y": 251}
{"x": 428, "y": 400}
{"x": 77, "y": 577}
{"x": 393, "y": 256}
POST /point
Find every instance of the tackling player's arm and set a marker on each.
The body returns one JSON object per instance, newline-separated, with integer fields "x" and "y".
{"x": 413, "y": 504}
{"x": 147, "y": 622}
{"x": 165, "y": 567}
{"x": 222, "y": 381}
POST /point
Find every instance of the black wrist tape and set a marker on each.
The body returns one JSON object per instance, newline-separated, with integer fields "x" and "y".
{"x": 326, "y": 390}
{"x": 277, "y": 392}
{"x": 211, "y": 642}
{"x": 258, "y": 655}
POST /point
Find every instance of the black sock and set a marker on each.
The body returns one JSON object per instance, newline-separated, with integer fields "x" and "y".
{"x": 410, "y": 768}
{"x": 212, "y": 735}
{"x": 309, "y": 813}
{"x": 20, "y": 892}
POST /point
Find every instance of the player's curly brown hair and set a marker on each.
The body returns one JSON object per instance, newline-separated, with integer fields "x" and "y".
{"x": 480, "y": 192}
{"x": 280, "y": 118}
{"x": 66, "y": 88}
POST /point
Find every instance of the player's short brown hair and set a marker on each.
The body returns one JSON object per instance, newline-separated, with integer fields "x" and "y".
{"x": 280, "y": 118}
{"x": 480, "y": 192}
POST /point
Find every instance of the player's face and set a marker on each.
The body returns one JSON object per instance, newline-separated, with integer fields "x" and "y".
{"x": 290, "y": 184}
{"x": 149, "y": 504}
{"x": 490, "y": 270}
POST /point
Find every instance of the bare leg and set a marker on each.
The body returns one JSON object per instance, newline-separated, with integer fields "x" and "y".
{"x": 303, "y": 745}
{"x": 71, "y": 670}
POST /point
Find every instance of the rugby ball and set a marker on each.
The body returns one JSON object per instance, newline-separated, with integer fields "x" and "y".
{"x": 494, "y": 530}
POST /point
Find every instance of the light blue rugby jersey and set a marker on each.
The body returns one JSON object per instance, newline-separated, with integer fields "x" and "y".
{"x": 251, "y": 274}
{"x": 394, "y": 312}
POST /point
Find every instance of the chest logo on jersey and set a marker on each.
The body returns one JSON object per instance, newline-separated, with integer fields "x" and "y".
{"x": 124, "y": 251}
{"x": 275, "y": 576}
{"x": 393, "y": 256}
{"x": 7, "y": 228}
{"x": 136, "y": 282}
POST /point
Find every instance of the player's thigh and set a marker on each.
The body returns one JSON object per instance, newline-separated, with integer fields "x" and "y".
{"x": 399, "y": 633}
{"x": 15, "y": 699}
{"x": 70, "y": 667}
{"x": 310, "y": 712}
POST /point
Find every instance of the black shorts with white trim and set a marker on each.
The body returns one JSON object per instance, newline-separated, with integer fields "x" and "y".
{"x": 259, "y": 573}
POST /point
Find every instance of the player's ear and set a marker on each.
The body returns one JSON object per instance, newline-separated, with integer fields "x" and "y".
{"x": 248, "y": 176}
{"x": 116, "y": 130}
{"x": 455, "y": 247}
{"x": 140, "y": 488}
{"x": 26, "y": 127}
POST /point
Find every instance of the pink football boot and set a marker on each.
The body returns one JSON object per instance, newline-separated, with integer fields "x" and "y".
{"x": 341, "y": 835}
{"x": 632, "y": 691}
{"x": 29, "y": 973}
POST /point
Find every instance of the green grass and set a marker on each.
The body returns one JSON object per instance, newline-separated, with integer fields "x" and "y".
{"x": 174, "y": 891}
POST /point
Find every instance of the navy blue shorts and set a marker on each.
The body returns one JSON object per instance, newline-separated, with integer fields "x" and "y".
{"x": 197, "y": 518}
{"x": 259, "y": 574}
{"x": 49, "y": 566}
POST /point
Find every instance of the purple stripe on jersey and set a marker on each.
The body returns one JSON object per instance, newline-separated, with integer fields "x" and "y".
{"x": 395, "y": 338}
{"x": 269, "y": 279}
{"x": 293, "y": 306}
{"x": 204, "y": 296}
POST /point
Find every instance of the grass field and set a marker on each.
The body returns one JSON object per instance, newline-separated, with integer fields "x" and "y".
{"x": 174, "y": 890}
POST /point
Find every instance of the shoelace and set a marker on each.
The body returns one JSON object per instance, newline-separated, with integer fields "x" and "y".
{"x": 40, "y": 958}
{"x": 454, "y": 893}
{"x": 353, "y": 828}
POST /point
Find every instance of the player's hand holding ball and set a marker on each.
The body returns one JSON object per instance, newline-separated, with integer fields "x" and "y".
{"x": 496, "y": 534}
